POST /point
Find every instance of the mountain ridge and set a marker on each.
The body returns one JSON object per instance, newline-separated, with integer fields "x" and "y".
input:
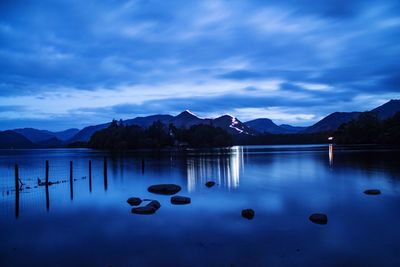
{"x": 187, "y": 119}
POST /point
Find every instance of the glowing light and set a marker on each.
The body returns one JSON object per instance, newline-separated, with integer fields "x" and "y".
{"x": 225, "y": 170}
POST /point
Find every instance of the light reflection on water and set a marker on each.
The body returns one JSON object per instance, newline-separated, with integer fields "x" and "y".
{"x": 222, "y": 169}
{"x": 330, "y": 154}
{"x": 283, "y": 184}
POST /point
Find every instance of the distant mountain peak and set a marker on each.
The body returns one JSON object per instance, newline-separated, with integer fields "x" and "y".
{"x": 187, "y": 113}
{"x": 232, "y": 124}
{"x": 226, "y": 116}
{"x": 266, "y": 125}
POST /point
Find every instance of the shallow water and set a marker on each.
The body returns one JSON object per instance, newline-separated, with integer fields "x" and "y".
{"x": 73, "y": 226}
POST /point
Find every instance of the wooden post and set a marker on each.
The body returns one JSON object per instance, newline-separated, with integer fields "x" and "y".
{"x": 105, "y": 174}
{"x": 90, "y": 175}
{"x": 47, "y": 186}
{"x": 16, "y": 191}
{"x": 71, "y": 181}
{"x": 142, "y": 165}
{"x": 47, "y": 198}
{"x": 47, "y": 172}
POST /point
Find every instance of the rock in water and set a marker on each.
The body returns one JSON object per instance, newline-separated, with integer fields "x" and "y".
{"x": 319, "y": 218}
{"x": 248, "y": 214}
{"x": 150, "y": 208}
{"x": 210, "y": 184}
{"x": 144, "y": 210}
{"x": 372, "y": 192}
{"x": 180, "y": 200}
{"x": 164, "y": 189}
{"x": 134, "y": 201}
{"x": 155, "y": 204}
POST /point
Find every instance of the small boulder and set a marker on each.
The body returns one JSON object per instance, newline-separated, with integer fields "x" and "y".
{"x": 150, "y": 208}
{"x": 372, "y": 192}
{"x": 210, "y": 184}
{"x": 164, "y": 189}
{"x": 155, "y": 204}
{"x": 134, "y": 201}
{"x": 248, "y": 214}
{"x": 319, "y": 218}
{"x": 144, "y": 210}
{"x": 180, "y": 200}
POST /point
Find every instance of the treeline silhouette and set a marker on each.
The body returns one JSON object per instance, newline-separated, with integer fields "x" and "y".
{"x": 158, "y": 135}
{"x": 368, "y": 129}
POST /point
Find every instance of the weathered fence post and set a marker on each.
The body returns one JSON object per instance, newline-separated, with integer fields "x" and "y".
{"x": 16, "y": 191}
{"x": 105, "y": 174}
{"x": 71, "y": 181}
{"x": 90, "y": 175}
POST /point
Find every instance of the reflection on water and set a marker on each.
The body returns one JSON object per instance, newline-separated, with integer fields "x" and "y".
{"x": 283, "y": 184}
{"x": 330, "y": 154}
{"x": 223, "y": 168}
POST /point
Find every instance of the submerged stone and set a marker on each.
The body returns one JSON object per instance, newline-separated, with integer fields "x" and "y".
{"x": 164, "y": 189}
{"x": 319, "y": 218}
{"x": 144, "y": 210}
{"x": 372, "y": 192}
{"x": 150, "y": 208}
{"x": 210, "y": 184}
{"x": 134, "y": 201}
{"x": 155, "y": 204}
{"x": 248, "y": 214}
{"x": 180, "y": 200}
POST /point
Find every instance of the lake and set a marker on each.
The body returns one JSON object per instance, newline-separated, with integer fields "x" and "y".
{"x": 91, "y": 224}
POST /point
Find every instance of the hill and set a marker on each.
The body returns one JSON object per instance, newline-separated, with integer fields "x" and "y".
{"x": 265, "y": 125}
{"x": 331, "y": 122}
{"x": 12, "y": 140}
{"x": 387, "y": 110}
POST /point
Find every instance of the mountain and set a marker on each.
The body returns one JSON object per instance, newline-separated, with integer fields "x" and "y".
{"x": 10, "y": 140}
{"x": 39, "y": 136}
{"x": 388, "y": 109}
{"x": 334, "y": 120}
{"x": 265, "y": 125}
{"x": 187, "y": 119}
{"x": 34, "y": 135}
{"x": 149, "y": 120}
{"x": 66, "y": 134}
{"x": 85, "y": 134}
{"x": 232, "y": 125}
{"x": 31, "y": 137}
{"x": 331, "y": 122}
{"x": 292, "y": 129}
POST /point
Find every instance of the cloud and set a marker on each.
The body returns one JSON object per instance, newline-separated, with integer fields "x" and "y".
{"x": 66, "y": 59}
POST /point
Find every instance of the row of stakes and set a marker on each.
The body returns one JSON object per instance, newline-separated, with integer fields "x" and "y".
{"x": 46, "y": 183}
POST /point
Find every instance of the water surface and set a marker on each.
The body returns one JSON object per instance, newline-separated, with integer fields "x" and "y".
{"x": 83, "y": 225}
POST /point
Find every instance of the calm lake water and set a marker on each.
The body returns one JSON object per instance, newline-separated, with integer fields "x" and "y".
{"x": 76, "y": 226}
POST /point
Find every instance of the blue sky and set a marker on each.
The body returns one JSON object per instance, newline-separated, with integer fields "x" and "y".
{"x": 74, "y": 63}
